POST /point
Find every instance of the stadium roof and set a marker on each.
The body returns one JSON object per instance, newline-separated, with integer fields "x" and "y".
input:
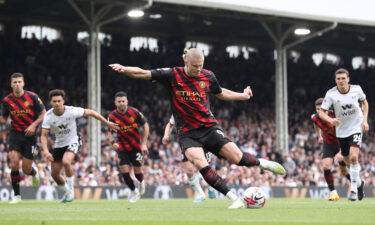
{"x": 358, "y": 12}
{"x": 219, "y": 24}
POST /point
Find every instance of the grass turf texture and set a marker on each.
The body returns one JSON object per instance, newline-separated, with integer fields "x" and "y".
{"x": 183, "y": 211}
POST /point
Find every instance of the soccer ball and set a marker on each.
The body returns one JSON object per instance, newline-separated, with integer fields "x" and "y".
{"x": 254, "y": 198}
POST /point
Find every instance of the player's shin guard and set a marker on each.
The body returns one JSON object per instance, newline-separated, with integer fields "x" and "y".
{"x": 16, "y": 178}
{"x": 128, "y": 181}
{"x": 329, "y": 179}
{"x": 214, "y": 180}
{"x": 139, "y": 177}
{"x": 248, "y": 160}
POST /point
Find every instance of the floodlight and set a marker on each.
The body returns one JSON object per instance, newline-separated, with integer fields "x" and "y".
{"x": 302, "y": 31}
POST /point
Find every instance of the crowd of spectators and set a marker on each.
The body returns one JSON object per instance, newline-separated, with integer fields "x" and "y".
{"x": 251, "y": 124}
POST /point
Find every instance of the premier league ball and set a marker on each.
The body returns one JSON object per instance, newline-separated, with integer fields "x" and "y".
{"x": 254, "y": 198}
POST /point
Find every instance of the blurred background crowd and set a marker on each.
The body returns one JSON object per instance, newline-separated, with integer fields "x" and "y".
{"x": 250, "y": 124}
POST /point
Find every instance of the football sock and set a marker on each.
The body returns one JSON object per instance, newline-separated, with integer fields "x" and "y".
{"x": 70, "y": 184}
{"x": 128, "y": 181}
{"x": 329, "y": 179}
{"x": 139, "y": 177}
{"x": 232, "y": 196}
{"x": 355, "y": 181}
{"x": 63, "y": 188}
{"x": 214, "y": 180}
{"x": 248, "y": 160}
{"x": 16, "y": 178}
{"x": 195, "y": 185}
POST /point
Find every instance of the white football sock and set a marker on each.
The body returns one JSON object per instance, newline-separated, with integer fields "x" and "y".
{"x": 232, "y": 196}
{"x": 196, "y": 186}
{"x": 355, "y": 181}
{"x": 70, "y": 184}
{"x": 63, "y": 188}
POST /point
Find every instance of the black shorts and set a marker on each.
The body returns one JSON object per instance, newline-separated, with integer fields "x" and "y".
{"x": 134, "y": 157}
{"x": 211, "y": 139}
{"x": 330, "y": 150}
{"x": 58, "y": 153}
{"x": 207, "y": 154}
{"x": 26, "y": 145}
{"x": 354, "y": 140}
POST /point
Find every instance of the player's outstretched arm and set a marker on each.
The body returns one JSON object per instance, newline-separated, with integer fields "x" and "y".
{"x": 133, "y": 72}
{"x": 43, "y": 141}
{"x": 324, "y": 116}
{"x": 96, "y": 115}
{"x": 229, "y": 95}
{"x": 365, "y": 108}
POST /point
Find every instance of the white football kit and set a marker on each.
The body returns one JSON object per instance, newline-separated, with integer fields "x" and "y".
{"x": 347, "y": 109}
{"x": 64, "y": 127}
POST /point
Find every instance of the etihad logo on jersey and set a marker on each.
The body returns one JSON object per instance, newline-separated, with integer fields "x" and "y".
{"x": 20, "y": 112}
{"x": 191, "y": 95}
{"x": 128, "y": 127}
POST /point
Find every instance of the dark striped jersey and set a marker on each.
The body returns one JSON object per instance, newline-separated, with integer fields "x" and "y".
{"x": 128, "y": 136}
{"x": 328, "y": 130}
{"x": 189, "y": 96}
{"x": 23, "y": 110}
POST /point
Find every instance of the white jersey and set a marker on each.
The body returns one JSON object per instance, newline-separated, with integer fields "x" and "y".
{"x": 347, "y": 109}
{"x": 64, "y": 127}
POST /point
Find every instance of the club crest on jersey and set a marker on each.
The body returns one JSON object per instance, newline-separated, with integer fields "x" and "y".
{"x": 131, "y": 119}
{"x": 26, "y": 103}
{"x": 180, "y": 84}
{"x": 202, "y": 84}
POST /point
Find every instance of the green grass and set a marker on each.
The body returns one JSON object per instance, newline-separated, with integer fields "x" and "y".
{"x": 184, "y": 212}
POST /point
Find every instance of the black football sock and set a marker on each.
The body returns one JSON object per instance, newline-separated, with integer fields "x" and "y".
{"x": 16, "y": 178}
{"x": 139, "y": 177}
{"x": 248, "y": 160}
{"x": 128, "y": 181}
{"x": 329, "y": 179}
{"x": 214, "y": 180}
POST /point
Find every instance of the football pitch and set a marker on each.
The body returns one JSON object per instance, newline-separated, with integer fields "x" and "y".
{"x": 184, "y": 212}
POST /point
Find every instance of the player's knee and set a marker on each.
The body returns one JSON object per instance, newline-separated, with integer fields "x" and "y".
{"x": 14, "y": 166}
{"x": 326, "y": 166}
{"x": 66, "y": 162}
{"x": 200, "y": 163}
